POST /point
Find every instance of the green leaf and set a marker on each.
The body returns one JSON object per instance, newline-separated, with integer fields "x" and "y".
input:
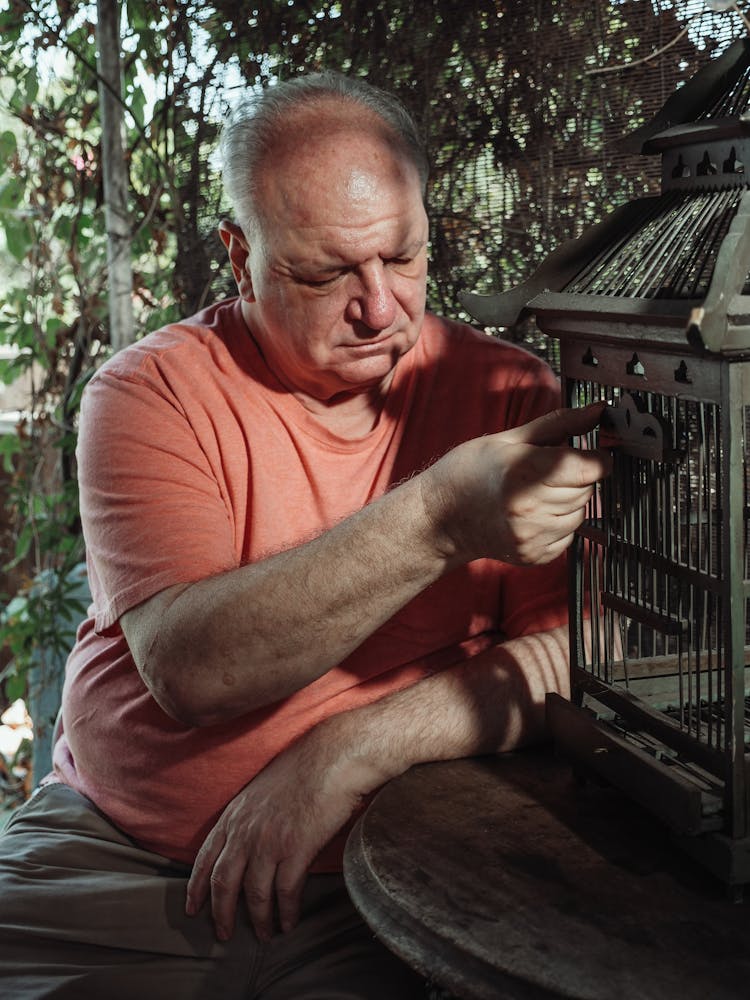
{"x": 17, "y": 607}
{"x": 11, "y": 193}
{"x": 9, "y": 447}
{"x": 8, "y": 146}
{"x": 52, "y": 327}
{"x": 15, "y": 686}
{"x": 24, "y": 542}
{"x": 17, "y": 238}
{"x": 15, "y": 367}
{"x": 64, "y": 228}
{"x": 136, "y": 105}
{"x": 31, "y": 86}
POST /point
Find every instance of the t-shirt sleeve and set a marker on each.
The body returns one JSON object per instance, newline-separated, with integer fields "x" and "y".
{"x": 151, "y": 504}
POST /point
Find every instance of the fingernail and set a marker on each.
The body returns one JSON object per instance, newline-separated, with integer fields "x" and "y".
{"x": 222, "y": 933}
{"x": 190, "y": 908}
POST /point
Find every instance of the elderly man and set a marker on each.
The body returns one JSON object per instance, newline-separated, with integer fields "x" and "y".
{"x": 312, "y": 517}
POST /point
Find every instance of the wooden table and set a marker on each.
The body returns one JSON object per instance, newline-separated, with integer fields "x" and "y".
{"x": 504, "y": 878}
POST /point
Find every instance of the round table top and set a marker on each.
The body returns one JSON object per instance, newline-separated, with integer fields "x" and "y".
{"x": 504, "y": 877}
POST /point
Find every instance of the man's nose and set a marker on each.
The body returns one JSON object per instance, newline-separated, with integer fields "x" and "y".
{"x": 373, "y": 303}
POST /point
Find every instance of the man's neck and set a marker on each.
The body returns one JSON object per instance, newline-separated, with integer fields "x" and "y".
{"x": 349, "y": 415}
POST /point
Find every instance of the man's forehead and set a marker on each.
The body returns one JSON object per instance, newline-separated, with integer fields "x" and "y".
{"x": 359, "y": 204}
{"x": 350, "y": 154}
{"x": 360, "y": 184}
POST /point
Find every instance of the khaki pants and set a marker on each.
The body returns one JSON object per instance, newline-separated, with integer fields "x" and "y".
{"x": 85, "y": 914}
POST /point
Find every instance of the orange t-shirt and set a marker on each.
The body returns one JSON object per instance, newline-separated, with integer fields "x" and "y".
{"x": 193, "y": 460}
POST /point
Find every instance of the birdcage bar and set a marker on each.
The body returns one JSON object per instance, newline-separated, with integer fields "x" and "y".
{"x": 662, "y": 687}
{"x": 735, "y": 385}
{"x": 597, "y": 273}
{"x": 721, "y": 208}
{"x": 650, "y": 248}
{"x": 734, "y": 101}
{"x": 611, "y": 270}
{"x": 685, "y": 221}
{"x": 662, "y": 551}
{"x": 669, "y": 253}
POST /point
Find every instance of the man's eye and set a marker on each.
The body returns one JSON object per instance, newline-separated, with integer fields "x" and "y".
{"x": 317, "y": 282}
{"x": 399, "y": 260}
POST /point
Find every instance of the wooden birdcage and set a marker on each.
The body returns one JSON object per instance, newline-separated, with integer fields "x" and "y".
{"x": 652, "y": 311}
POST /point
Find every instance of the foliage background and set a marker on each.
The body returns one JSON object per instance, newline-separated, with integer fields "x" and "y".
{"x": 521, "y": 103}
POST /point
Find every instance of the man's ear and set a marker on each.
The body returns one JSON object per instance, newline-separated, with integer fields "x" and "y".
{"x": 239, "y": 254}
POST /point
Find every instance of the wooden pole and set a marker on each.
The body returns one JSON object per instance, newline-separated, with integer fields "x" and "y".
{"x": 115, "y": 175}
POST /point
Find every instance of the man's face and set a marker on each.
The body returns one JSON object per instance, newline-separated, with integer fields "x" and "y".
{"x": 338, "y": 270}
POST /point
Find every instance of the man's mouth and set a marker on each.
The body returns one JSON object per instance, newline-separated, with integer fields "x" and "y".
{"x": 375, "y": 341}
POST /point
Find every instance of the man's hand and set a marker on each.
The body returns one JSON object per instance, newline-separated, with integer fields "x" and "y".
{"x": 271, "y": 831}
{"x": 517, "y": 496}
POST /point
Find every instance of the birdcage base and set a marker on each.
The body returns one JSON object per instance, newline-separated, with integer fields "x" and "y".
{"x": 687, "y": 799}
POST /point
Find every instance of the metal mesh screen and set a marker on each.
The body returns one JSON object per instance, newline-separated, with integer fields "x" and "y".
{"x": 554, "y": 88}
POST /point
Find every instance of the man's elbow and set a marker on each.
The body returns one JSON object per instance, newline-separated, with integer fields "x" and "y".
{"x": 180, "y": 697}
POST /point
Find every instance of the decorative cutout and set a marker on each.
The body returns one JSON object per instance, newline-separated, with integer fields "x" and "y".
{"x": 732, "y": 165}
{"x": 706, "y": 168}
{"x": 589, "y": 358}
{"x": 633, "y": 432}
{"x": 681, "y": 374}
{"x": 681, "y": 170}
{"x": 635, "y": 367}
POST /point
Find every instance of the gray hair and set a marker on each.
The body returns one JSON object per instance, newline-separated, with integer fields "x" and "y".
{"x": 256, "y": 123}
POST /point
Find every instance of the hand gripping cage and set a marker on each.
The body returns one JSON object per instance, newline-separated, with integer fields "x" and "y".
{"x": 652, "y": 311}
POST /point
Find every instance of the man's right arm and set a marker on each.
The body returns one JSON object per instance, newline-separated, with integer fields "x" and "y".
{"x": 217, "y": 649}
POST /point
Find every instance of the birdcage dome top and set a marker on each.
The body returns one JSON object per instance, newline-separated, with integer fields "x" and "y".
{"x": 670, "y": 268}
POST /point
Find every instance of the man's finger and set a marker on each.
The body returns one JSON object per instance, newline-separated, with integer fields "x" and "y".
{"x": 553, "y": 498}
{"x": 557, "y": 548}
{"x": 290, "y": 881}
{"x": 556, "y": 427}
{"x": 199, "y": 882}
{"x": 574, "y": 469}
{"x": 226, "y": 881}
{"x": 258, "y": 886}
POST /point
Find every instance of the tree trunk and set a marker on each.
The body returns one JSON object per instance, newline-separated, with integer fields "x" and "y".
{"x": 115, "y": 175}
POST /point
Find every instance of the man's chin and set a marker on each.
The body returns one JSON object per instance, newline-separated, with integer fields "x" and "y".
{"x": 372, "y": 368}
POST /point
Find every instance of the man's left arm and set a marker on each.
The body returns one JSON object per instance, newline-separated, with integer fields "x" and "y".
{"x": 271, "y": 831}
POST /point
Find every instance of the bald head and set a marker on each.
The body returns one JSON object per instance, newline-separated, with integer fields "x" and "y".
{"x": 310, "y": 119}
{"x": 346, "y": 164}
